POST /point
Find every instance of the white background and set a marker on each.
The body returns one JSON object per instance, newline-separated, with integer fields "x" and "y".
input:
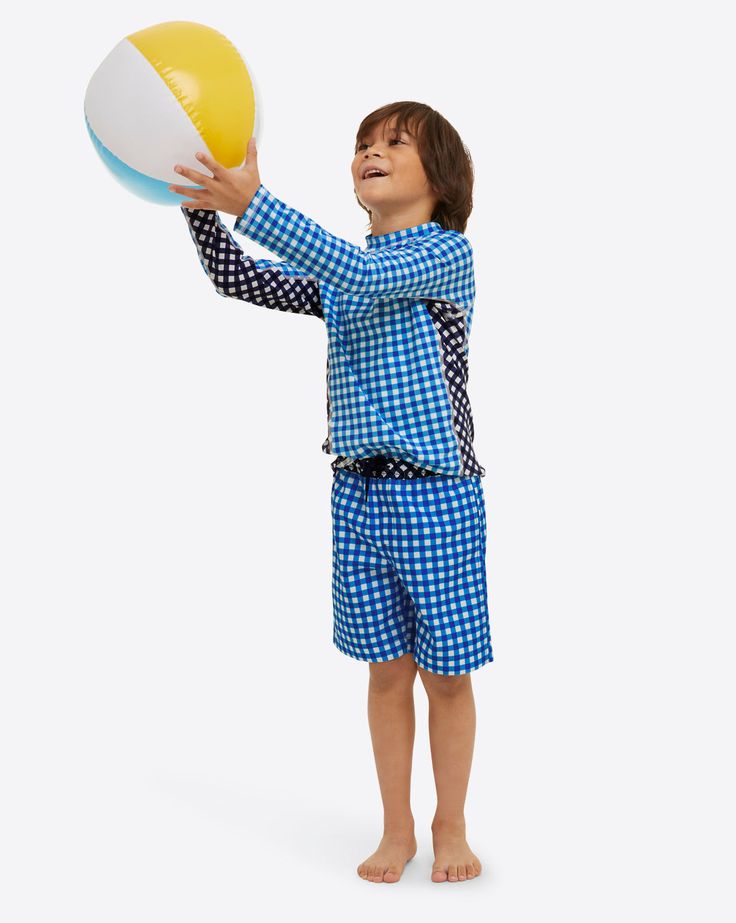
{"x": 182, "y": 742}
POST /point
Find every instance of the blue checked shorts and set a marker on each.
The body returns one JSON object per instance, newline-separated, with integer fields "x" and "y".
{"x": 409, "y": 570}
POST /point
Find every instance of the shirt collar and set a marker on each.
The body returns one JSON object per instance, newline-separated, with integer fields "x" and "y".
{"x": 396, "y": 237}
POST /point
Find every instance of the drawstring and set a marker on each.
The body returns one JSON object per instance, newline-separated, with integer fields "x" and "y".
{"x": 372, "y": 464}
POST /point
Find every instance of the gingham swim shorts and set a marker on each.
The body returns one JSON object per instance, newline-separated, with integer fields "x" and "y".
{"x": 409, "y": 570}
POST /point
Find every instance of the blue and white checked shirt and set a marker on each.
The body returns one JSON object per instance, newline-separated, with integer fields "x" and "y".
{"x": 398, "y": 317}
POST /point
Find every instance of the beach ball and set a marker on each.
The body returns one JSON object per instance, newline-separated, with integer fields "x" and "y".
{"x": 161, "y": 95}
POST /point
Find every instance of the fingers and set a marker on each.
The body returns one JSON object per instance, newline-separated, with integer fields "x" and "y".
{"x": 211, "y": 164}
{"x": 217, "y": 169}
{"x": 222, "y": 191}
{"x": 193, "y": 174}
{"x": 196, "y": 177}
{"x": 187, "y": 191}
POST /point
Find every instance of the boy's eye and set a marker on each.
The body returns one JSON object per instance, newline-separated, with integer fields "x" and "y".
{"x": 392, "y": 139}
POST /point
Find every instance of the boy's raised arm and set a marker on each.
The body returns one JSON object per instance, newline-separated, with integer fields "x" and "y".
{"x": 422, "y": 267}
{"x": 262, "y": 282}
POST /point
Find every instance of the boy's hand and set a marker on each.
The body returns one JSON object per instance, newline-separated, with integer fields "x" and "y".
{"x": 228, "y": 190}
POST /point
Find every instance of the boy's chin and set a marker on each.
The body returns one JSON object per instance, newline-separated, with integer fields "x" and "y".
{"x": 370, "y": 201}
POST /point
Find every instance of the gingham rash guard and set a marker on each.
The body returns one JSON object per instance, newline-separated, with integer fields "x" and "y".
{"x": 398, "y": 318}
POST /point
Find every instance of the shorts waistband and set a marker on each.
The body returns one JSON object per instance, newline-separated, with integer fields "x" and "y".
{"x": 383, "y": 466}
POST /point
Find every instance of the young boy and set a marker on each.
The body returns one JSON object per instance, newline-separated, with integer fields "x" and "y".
{"x": 409, "y": 578}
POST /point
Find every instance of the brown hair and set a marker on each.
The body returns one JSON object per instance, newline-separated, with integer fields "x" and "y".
{"x": 446, "y": 160}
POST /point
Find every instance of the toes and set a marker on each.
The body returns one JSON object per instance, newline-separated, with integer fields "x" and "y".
{"x": 461, "y": 873}
{"x": 469, "y": 870}
{"x": 391, "y": 874}
{"x": 452, "y": 873}
{"x": 439, "y": 874}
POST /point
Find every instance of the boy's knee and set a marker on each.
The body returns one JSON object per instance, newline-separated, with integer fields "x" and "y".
{"x": 393, "y": 674}
{"x": 441, "y": 685}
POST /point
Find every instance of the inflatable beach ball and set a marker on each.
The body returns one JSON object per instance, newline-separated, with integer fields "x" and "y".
{"x": 161, "y": 95}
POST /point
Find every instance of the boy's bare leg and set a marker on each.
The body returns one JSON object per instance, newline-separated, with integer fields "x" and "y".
{"x": 391, "y": 721}
{"x": 451, "y": 739}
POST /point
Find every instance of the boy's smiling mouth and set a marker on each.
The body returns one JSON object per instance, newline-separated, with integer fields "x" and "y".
{"x": 370, "y": 172}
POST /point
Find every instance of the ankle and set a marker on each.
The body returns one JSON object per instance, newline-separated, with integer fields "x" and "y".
{"x": 449, "y": 824}
{"x": 400, "y": 826}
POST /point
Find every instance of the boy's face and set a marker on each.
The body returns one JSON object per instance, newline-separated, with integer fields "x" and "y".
{"x": 405, "y": 188}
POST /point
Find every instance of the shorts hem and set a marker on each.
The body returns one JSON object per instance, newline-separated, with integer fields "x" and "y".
{"x": 459, "y": 672}
{"x": 349, "y": 653}
{"x": 418, "y": 661}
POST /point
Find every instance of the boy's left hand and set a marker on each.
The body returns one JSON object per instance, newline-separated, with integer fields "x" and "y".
{"x": 227, "y": 190}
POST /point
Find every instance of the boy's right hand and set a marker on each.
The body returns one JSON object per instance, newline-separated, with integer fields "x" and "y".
{"x": 228, "y": 190}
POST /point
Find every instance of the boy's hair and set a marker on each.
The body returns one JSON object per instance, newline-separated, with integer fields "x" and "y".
{"x": 446, "y": 160}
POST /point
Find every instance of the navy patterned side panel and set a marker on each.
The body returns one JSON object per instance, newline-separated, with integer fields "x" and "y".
{"x": 450, "y": 324}
{"x": 327, "y": 444}
{"x": 268, "y": 283}
{"x": 387, "y": 468}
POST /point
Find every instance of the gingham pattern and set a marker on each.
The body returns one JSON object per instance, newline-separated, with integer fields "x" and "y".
{"x": 400, "y": 392}
{"x": 409, "y": 571}
{"x": 398, "y": 318}
{"x": 432, "y": 262}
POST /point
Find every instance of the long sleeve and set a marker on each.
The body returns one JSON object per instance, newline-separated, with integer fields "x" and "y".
{"x": 424, "y": 266}
{"x": 276, "y": 285}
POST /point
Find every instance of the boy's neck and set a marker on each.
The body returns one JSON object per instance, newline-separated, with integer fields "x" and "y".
{"x": 398, "y": 222}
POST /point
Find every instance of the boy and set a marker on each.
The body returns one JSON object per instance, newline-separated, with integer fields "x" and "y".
{"x": 409, "y": 580}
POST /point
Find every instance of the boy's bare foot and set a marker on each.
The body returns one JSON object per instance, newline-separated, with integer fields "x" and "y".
{"x": 453, "y": 858}
{"x": 388, "y": 861}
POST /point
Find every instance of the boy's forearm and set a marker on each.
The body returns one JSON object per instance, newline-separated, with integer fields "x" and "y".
{"x": 236, "y": 275}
